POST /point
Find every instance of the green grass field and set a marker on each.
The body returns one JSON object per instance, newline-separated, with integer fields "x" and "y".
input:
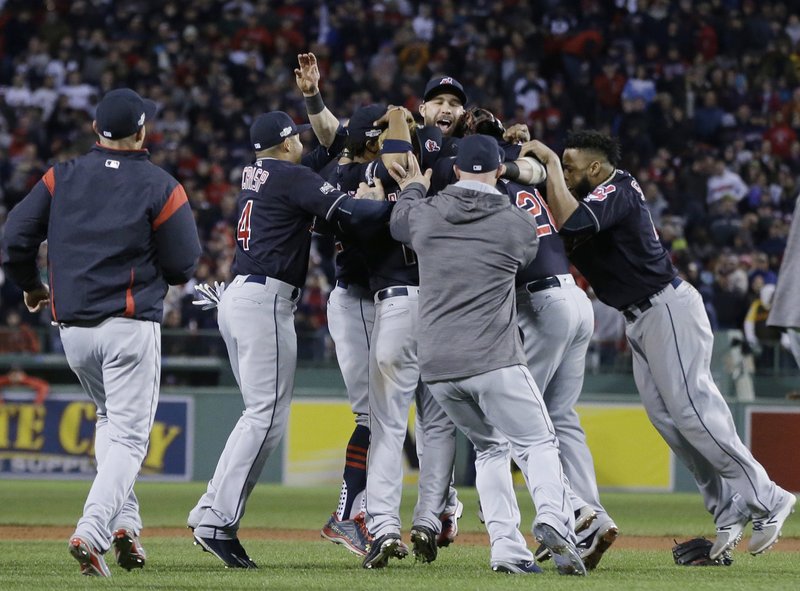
{"x": 174, "y": 563}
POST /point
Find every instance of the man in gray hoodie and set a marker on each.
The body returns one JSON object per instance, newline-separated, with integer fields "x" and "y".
{"x": 469, "y": 348}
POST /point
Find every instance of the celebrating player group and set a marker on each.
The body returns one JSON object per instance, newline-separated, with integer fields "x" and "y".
{"x": 453, "y": 291}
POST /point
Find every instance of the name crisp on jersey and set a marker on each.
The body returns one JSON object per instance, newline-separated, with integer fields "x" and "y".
{"x": 112, "y": 163}
{"x": 253, "y": 177}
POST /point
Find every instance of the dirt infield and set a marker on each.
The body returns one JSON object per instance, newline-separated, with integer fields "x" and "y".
{"x": 14, "y": 532}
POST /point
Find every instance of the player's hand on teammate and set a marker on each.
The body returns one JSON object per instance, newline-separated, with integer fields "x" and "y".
{"x": 411, "y": 173}
{"x": 209, "y": 295}
{"x": 384, "y": 119}
{"x": 540, "y": 151}
{"x": 307, "y": 75}
{"x": 376, "y": 193}
{"x": 37, "y": 299}
{"x": 517, "y": 134}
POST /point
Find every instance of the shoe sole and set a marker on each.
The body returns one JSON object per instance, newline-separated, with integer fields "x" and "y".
{"x": 566, "y": 557}
{"x": 424, "y": 548}
{"x": 778, "y": 536}
{"x": 83, "y": 555}
{"x": 543, "y": 553}
{"x": 342, "y": 541}
{"x": 206, "y": 548}
{"x": 126, "y": 558}
{"x": 604, "y": 541}
{"x": 512, "y": 569}
{"x": 393, "y": 548}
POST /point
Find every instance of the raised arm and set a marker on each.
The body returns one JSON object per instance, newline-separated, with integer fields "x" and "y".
{"x": 323, "y": 122}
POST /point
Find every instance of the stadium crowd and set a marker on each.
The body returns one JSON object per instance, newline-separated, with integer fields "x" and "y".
{"x": 704, "y": 95}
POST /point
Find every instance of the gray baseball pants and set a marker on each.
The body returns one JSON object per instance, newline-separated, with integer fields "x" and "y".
{"x": 118, "y": 363}
{"x": 493, "y": 410}
{"x": 557, "y": 324}
{"x": 257, "y": 324}
{"x": 394, "y": 373}
{"x": 671, "y": 345}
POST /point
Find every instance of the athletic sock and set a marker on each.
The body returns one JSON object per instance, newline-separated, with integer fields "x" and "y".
{"x": 355, "y": 471}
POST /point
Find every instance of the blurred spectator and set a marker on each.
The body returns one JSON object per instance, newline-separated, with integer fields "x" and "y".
{"x": 17, "y": 336}
{"x": 17, "y": 378}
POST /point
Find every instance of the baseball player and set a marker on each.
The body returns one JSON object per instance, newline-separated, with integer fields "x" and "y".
{"x": 119, "y": 231}
{"x": 470, "y": 350}
{"x": 278, "y": 201}
{"x": 611, "y": 240}
{"x": 557, "y": 322}
{"x": 351, "y": 315}
{"x": 785, "y": 312}
{"x": 394, "y": 382}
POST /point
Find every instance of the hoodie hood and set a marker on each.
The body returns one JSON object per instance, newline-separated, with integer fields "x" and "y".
{"x": 459, "y": 205}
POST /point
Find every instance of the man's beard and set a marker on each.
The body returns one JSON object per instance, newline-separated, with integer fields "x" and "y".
{"x": 582, "y": 188}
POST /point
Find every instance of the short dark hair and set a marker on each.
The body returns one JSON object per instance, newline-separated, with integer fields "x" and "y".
{"x": 356, "y": 147}
{"x": 594, "y": 140}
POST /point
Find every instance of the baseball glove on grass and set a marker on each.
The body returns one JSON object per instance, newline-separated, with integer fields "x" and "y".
{"x": 695, "y": 552}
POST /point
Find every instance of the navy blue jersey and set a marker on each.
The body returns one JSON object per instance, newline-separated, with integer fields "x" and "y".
{"x": 551, "y": 258}
{"x": 389, "y": 262}
{"x": 276, "y": 207}
{"x": 620, "y": 254}
{"x": 119, "y": 229}
{"x": 351, "y": 263}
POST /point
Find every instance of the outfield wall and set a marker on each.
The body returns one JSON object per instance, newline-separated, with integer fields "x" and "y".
{"x": 55, "y": 440}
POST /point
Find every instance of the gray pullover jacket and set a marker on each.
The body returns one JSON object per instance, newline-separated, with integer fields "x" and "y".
{"x": 470, "y": 245}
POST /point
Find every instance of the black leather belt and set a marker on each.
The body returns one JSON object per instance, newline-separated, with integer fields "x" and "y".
{"x": 540, "y": 284}
{"x": 85, "y": 323}
{"x": 262, "y": 279}
{"x": 644, "y": 305}
{"x": 392, "y": 292}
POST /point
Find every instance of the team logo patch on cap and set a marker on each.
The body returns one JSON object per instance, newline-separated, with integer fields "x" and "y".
{"x": 372, "y": 132}
{"x": 446, "y": 81}
{"x": 477, "y": 167}
{"x": 141, "y": 120}
{"x": 285, "y": 131}
{"x": 257, "y": 146}
{"x": 432, "y": 146}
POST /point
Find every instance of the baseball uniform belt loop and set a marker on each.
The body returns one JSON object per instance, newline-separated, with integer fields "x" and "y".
{"x": 642, "y": 306}
{"x": 393, "y": 292}
{"x": 276, "y": 286}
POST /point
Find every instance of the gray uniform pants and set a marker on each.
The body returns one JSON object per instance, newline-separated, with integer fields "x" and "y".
{"x": 794, "y": 343}
{"x": 394, "y": 375}
{"x": 118, "y": 363}
{"x": 257, "y": 324}
{"x": 493, "y": 410}
{"x": 671, "y": 345}
{"x": 557, "y": 324}
{"x": 351, "y": 316}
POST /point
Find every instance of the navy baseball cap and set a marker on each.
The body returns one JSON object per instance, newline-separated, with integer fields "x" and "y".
{"x": 444, "y": 84}
{"x": 122, "y": 112}
{"x": 479, "y": 154}
{"x": 270, "y": 129}
{"x": 360, "y": 126}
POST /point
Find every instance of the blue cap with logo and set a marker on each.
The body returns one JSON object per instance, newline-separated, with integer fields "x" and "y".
{"x": 270, "y": 129}
{"x": 360, "y": 126}
{"x": 122, "y": 112}
{"x": 444, "y": 84}
{"x": 478, "y": 154}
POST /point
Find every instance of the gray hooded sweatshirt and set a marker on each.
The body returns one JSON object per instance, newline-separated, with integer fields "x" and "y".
{"x": 470, "y": 245}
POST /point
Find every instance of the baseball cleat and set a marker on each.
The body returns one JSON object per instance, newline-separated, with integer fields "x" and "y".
{"x": 596, "y": 542}
{"x": 450, "y": 526}
{"x": 90, "y": 558}
{"x": 727, "y": 538}
{"x": 424, "y": 543}
{"x": 230, "y": 552}
{"x": 382, "y": 549}
{"x": 350, "y": 533}
{"x": 564, "y": 553}
{"x": 127, "y": 549}
{"x": 584, "y": 517}
{"x": 767, "y": 529}
{"x": 526, "y": 567}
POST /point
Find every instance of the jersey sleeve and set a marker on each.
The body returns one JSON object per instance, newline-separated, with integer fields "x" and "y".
{"x": 177, "y": 244}
{"x": 315, "y": 195}
{"x": 25, "y": 230}
{"x": 608, "y": 204}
